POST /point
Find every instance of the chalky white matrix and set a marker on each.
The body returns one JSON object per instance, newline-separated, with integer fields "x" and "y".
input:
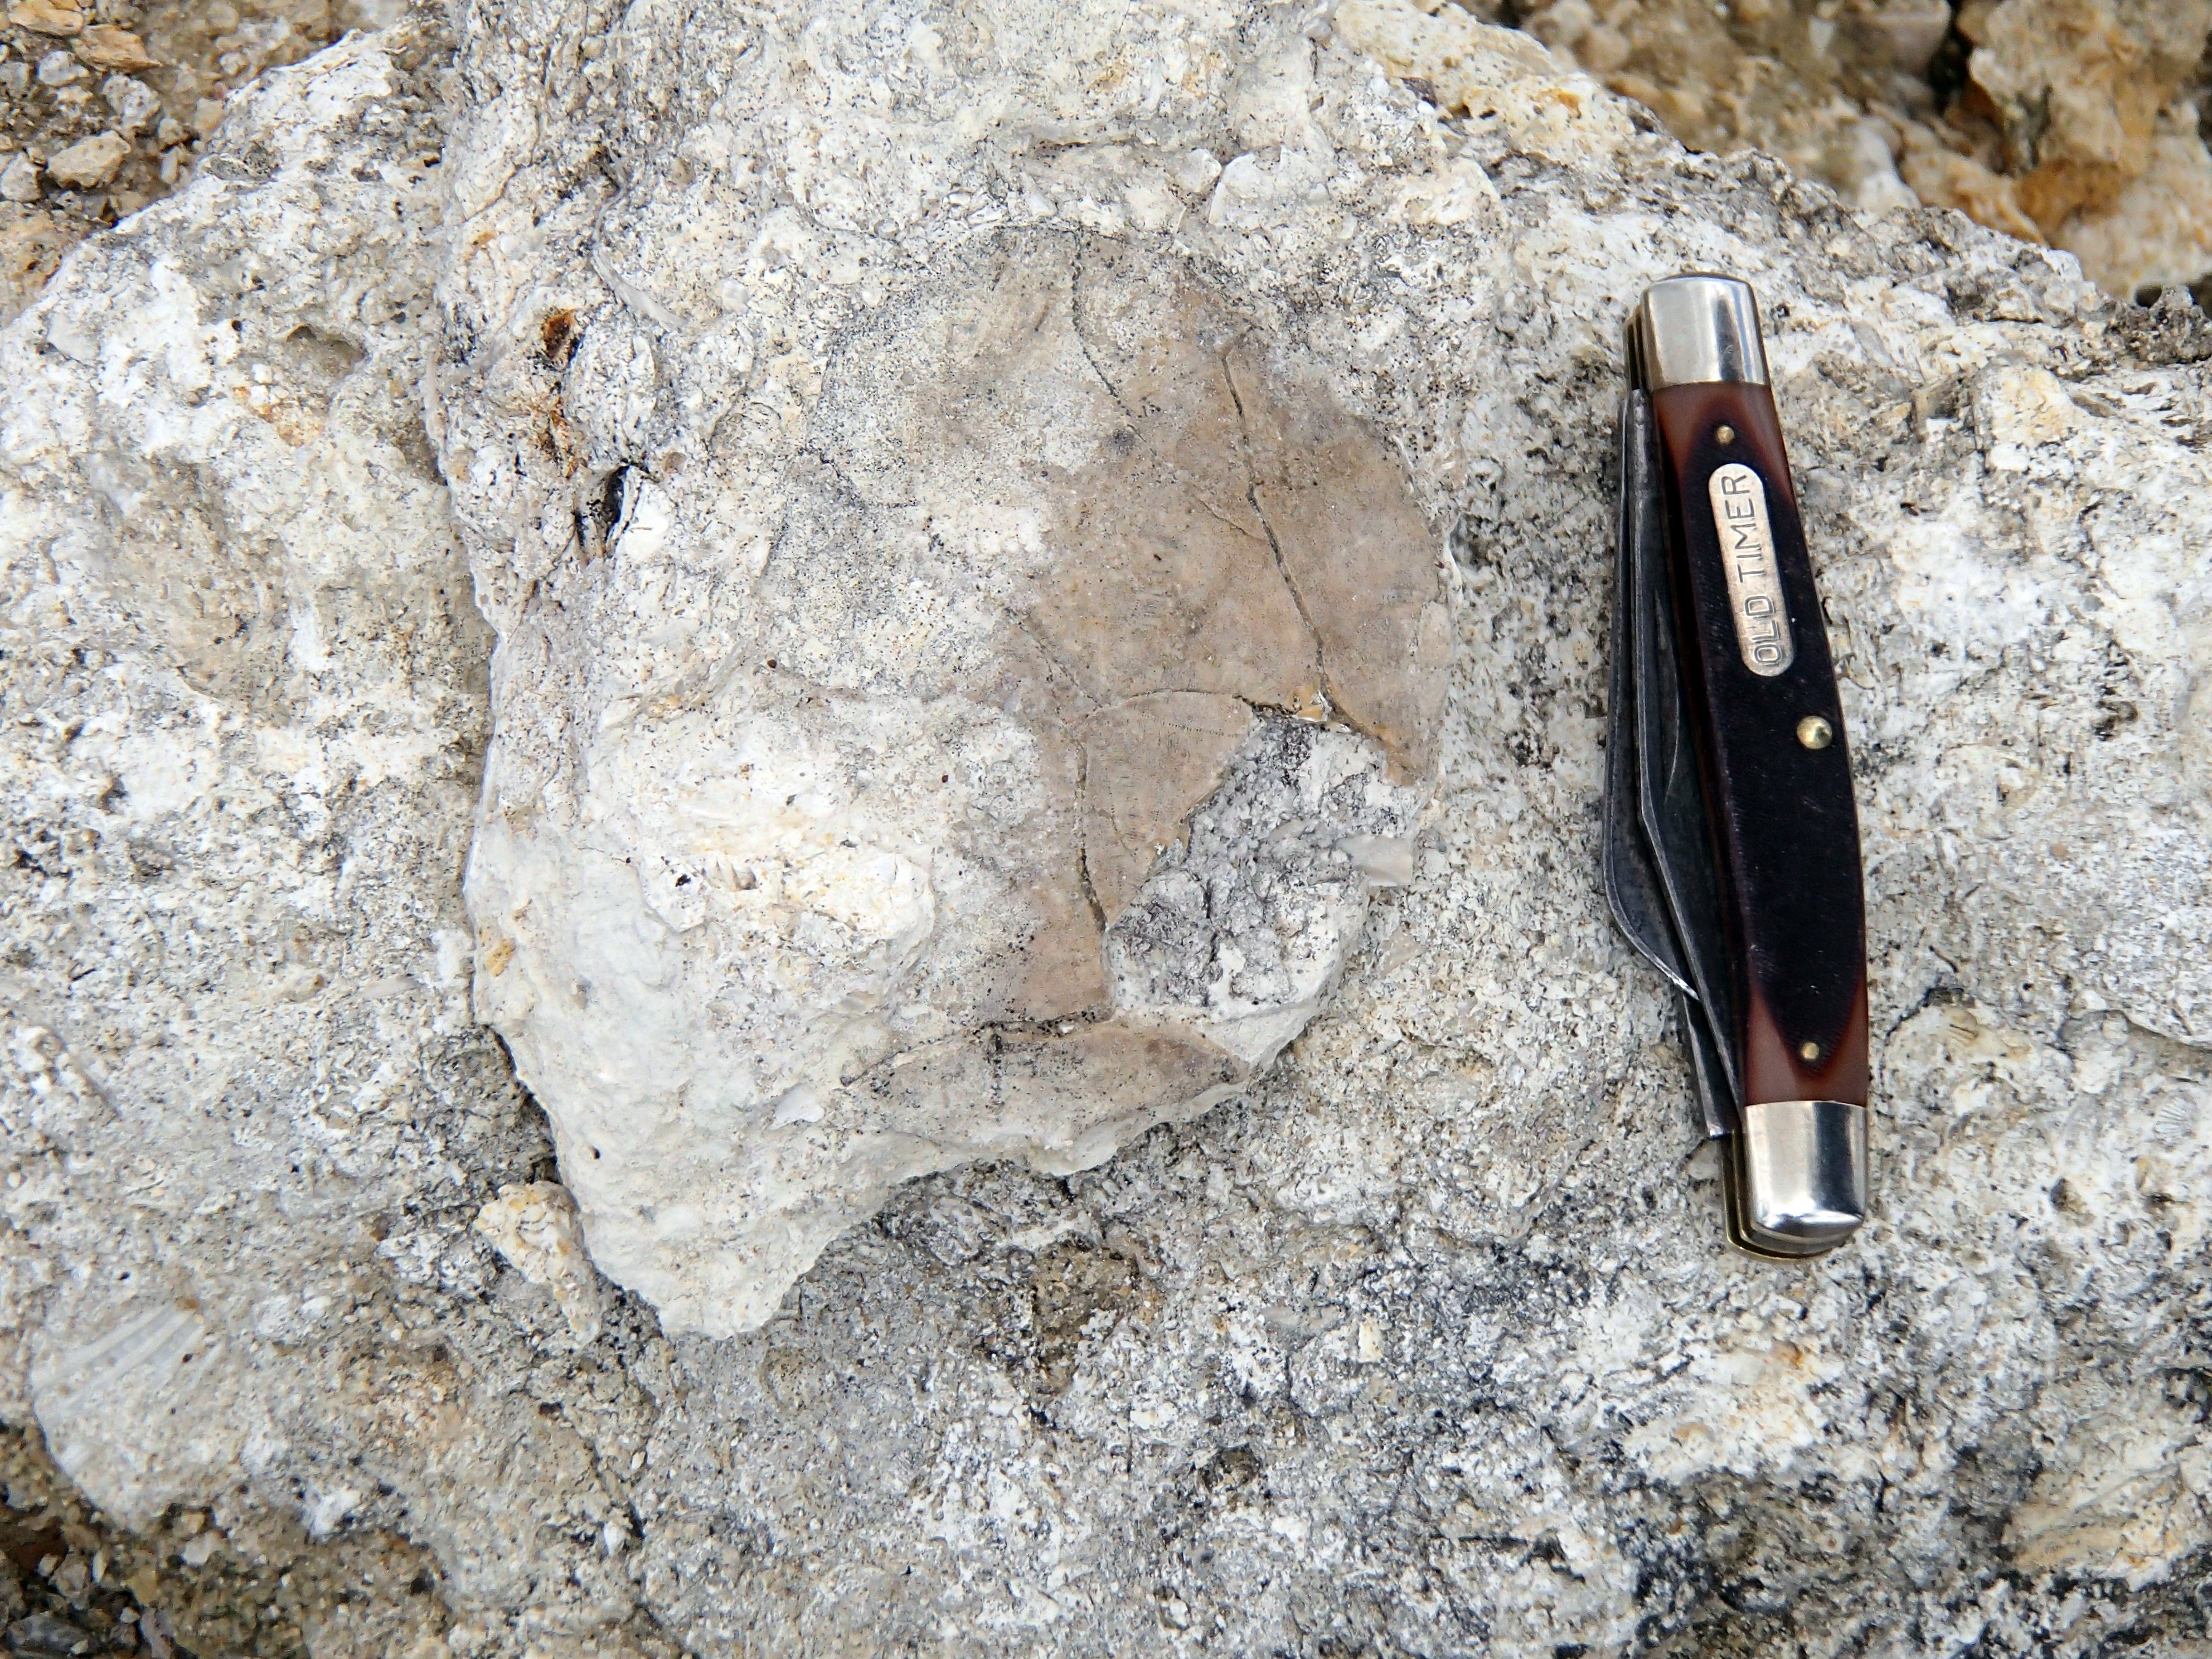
{"x": 1421, "y": 1343}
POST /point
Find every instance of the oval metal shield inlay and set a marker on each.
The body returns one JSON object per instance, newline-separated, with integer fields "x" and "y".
{"x": 1762, "y": 621}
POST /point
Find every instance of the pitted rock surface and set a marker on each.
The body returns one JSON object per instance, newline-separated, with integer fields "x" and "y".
{"x": 1421, "y": 1340}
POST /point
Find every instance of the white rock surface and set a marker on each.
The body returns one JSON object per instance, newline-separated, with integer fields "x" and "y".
{"x": 1422, "y": 1342}
{"x": 819, "y": 850}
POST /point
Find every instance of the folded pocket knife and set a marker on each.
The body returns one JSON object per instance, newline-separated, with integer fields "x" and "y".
{"x": 1731, "y": 843}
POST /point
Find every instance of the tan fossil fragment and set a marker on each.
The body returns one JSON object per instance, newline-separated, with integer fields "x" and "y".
{"x": 46, "y": 17}
{"x": 1148, "y": 761}
{"x": 111, "y": 46}
{"x": 1101, "y": 668}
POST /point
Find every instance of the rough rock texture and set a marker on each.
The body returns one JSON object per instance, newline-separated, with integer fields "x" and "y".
{"x": 1807, "y": 82}
{"x": 245, "y": 689}
{"x": 71, "y": 1582}
{"x": 2076, "y": 89}
{"x": 2072, "y": 122}
{"x": 1424, "y": 1342}
{"x": 819, "y": 834}
{"x": 136, "y": 85}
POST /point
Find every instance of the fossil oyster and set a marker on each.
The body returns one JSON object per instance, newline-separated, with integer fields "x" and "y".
{"x": 1085, "y": 681}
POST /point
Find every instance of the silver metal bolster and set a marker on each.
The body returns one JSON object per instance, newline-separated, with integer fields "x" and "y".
{"x": 1798, "y": 1178}
{"x": 1694, "y": 331}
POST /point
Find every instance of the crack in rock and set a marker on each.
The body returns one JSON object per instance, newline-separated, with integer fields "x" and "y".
{"x": 1024, "y": 833}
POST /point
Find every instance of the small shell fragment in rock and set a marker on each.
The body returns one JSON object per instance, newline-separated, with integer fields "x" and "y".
{"x": 19, "y": 179}
{"x": 90, "y": 163}
{"x": 46, "y": 17}
{"x": 533, "y": 1225}
{"x": 110, "y": 47}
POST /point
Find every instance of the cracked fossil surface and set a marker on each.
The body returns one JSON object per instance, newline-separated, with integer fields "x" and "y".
{"x": 1086, "y": 681}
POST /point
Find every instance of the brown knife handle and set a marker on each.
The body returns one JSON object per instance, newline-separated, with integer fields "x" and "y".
{"x": 1785, "y": 828}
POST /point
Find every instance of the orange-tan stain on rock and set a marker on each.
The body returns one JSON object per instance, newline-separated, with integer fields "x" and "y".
{"x": 1356, "y": 549}
{"x": 1223, "y": 541}
{"x": 1238, "y": 541}
{"x": 1149, "y": 762}
{"x": 1242, "y": 542}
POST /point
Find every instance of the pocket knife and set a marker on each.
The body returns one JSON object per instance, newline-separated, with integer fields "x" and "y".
{"x": 1731, "y": 843}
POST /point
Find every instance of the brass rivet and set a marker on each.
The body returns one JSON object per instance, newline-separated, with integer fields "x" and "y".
{"x": 1726, "y": 433}
{"x": 1814, "y": 732}
{"x": 1811, "y": 1051}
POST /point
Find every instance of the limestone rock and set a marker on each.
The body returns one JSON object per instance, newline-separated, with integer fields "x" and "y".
{"x": 201, "y": 52}
{"x": 533, "y": 1225}
{"x": 1810, "y": 82}
{"x": 88, "y": 163}
{"x": 243, "y": 681}
{"x": 19, "y": 179}
{"x": 2155, "y": 231}
{"x": 2072, "y": 122}
{"x": 1064, "y": 548}
{"x": 111, "y": 46}
{"x": 2078, "y": 87}
{"x": 46, "y": 17}
{"x": 1422, "y": 1341}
